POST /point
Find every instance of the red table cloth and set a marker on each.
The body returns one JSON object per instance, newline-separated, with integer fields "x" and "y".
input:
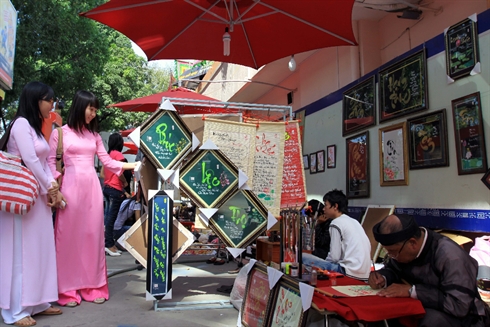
{"x": 368, "y": 308}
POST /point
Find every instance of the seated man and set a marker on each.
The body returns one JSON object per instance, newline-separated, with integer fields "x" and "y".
{"x": 125, "y": 217}
{"x": 430, "y": 267}
{"x": 349, "y": 246}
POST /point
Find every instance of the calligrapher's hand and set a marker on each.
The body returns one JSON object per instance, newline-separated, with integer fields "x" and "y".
{"x": 396, "y": 290}
{"x": 376, "y": 280}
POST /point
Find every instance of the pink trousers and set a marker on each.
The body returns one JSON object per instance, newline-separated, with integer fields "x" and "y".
{"x": 87, "y": 294}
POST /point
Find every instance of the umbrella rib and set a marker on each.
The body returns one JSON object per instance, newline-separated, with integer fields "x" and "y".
{"x": 183, "y": 30}
{"x": 94, "y": 12}
{"x": 207, "y": 10}
{"x": 308, "y": 23}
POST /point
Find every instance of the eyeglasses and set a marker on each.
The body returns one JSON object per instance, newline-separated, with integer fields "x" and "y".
{"x": 399, "y": 251}
{"x": 50, "y": 100}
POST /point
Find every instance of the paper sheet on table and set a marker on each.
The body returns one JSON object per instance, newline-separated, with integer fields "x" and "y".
{"x": 349, "y": 291}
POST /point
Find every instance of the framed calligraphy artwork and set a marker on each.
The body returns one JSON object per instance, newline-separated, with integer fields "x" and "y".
{"x": 357, "y": 176}
{"x": 468, "y": 132}
{"x": 286, "y": 308}
{"x": 159, "y": 256}
{"x": 461, "y": 42}
{"x": 256, "y": 300}
{"x": 165, "y": 139}
{"x": 320, "y": 161}
{"x": 240, "y": 219}
{"x": 331, "y": 156}
{"x": 403, "y": 87}
{"x": 486, "y": 179}
{"x": 208, "y": 178}
{"x": 393, "y": 156}
{"x": 428, "y": 140}
{"x": 359, "y": 107}
{"x": 306, "y": 161}
{"x": 313, "y": 163}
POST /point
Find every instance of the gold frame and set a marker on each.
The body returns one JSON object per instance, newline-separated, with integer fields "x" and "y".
{"x": 395, "y": 150}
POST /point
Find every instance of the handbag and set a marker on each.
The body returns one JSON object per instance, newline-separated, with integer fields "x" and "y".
{"x": 18, "y": 186}
{"x": 59, "y": 155}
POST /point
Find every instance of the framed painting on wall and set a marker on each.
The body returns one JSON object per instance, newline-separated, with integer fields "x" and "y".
{"x": 461, "y": 41}
{"x": 313, "y": 163}
{"x": 306, "y": 161}
{"x": 403, "y": 87}
{"x": 428, "y": 140}
{"x": 486, "y": 179}
{"x": 359, "y": 107}
{"x": 320, "y": 161}
{"x": 357, "y": 176}
{"x": 331, "y": 156}
{"x": 286, "y": 308}
{"x": 393, "y": 156}
{"x": 468, "y": 132}
{"x": 256, "y": 300}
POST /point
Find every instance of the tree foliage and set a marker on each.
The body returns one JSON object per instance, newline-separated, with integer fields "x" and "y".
{"x": 56, "y": 46}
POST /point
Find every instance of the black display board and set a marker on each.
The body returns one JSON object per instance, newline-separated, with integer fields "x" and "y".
{"x": 165, "y": 139}
{"x": 359, "y": 107}
{"x": 159, "y": 257}
{"x": 461, "y": 42}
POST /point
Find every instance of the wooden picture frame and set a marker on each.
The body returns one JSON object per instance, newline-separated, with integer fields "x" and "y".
{"x": 208, "y": 178}
{"x": 320, "y": 161}
{"x": 461, "y": 44}
{"x": 428, "y": 140}
{"x": 286, "y": 308}
{"x": 240, "y": 219}
{"x": 359, "y": 106}
{"x": 306, "y": 161}
{"x": 471, "y": 154}
{"x": 257, "y": 297}
{"x": 486, "y": 179}
{"x": 403, "y": 87}
{"x": 165, "y": 139}
{"x": 331, "y": 156}
{"x": 159, "y": 256}
{"x": 313, "y": 168}
{"x": 357, "y": 158}
{"x": 393, "y": 155}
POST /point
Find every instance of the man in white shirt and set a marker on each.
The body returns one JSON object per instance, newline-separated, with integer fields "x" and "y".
{"x": 349, "y": 246}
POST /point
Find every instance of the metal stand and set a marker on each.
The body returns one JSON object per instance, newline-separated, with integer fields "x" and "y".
{"x": 191, "y": 305}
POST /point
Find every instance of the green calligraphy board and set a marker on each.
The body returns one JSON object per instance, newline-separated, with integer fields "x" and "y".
{"x": 240, "y": 219}
{"x": 403, "y": 87}
{"x": 461, "y": 48}
{"x": 208, "y": 177}
{"x": 165, "y": 139}
{"x": 159, "y": 262}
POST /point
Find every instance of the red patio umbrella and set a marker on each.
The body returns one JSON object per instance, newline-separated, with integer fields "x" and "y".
{"x": 132, "y": 148}
{"x": 260, "y": 31}
{"x": 150, "y": 103}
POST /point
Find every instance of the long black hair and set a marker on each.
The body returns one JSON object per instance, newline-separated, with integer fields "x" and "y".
{"x": 76, "y": 115}
{"x": 115, "y": 142}
{"x": 28, "y": 108}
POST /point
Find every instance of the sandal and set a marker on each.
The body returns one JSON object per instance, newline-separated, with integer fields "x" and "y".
{"x": 219, "y": 262}
{"x": 50, "y": 311}
{"x": 71, "y": 304}
{"x": 27, "y": 321}
{"x": 99, "y": 300}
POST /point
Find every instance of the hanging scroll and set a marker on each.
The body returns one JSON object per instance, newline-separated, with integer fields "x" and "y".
{"x": 268, "y": 165}
{"x": 293, "y": 177}
{"x": 235, "y": 140}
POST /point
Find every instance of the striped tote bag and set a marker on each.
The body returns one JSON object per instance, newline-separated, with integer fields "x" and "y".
{"x": 18, "y": 186}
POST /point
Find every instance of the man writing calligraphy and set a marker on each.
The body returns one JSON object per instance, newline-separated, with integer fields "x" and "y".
{"x": 432, "y": 268}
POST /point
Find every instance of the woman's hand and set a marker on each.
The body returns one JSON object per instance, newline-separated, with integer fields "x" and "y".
{"x": 131, "y": 165}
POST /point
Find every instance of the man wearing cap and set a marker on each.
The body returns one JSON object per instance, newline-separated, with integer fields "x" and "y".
{"x": 432, "y": 268}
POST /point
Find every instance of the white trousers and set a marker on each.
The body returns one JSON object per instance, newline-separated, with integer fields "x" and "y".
{"x": 17, "y": 311}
